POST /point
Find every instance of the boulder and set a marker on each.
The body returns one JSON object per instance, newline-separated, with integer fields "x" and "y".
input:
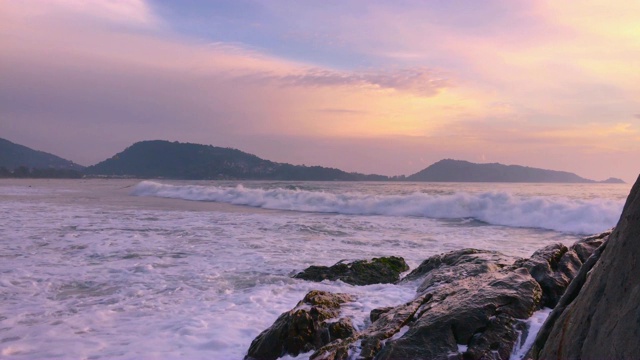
{"x": 466, "y": 297}
{"x": 387, "y": 324}
{"x": 555, "y": 265}
{"x": 304, "y": 328}
{"x": 469, "y": 304}
{"x": 599, "y": 315}
{"x": 585, "y": 247}
{"x": 375, "y": 313}
{"x": 382, "y": 270}
{"x": 474, "y": 261}
{"x": 478, "y": 312}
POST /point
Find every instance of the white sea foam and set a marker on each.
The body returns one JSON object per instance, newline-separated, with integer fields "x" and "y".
{"x": 88, "y": 271}
{"x": 577, "y": 216}
{"x": 534, "y": 323}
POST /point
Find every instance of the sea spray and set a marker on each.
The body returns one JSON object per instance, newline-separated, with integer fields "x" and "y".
{"x": 498, "y": 208}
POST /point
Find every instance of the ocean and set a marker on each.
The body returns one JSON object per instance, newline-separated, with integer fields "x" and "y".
{"x": 131, "y": 269}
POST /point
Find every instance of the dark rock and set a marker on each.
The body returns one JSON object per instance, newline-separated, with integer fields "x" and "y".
{"x": 478, "y": 312}
{"x": 375, "y": 313}
{"x": 387, "y": 324}
{"x": 585, "y": 247}
{"x": 340, "y": 329}
{"x": 555, "y": 265}
{"x": 459, "y": 257}
{"x": 600, "y": 314}
{"x": 466, "y": 297}
{"x": 455, "y": 265}
{"x": 383, "y": 270}
{"x": 570, "y": 294}
{"x": 303, "y": 328}
{"x": 544, "y": 266}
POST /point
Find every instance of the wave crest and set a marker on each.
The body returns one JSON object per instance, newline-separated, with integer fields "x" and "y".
{"x": 498, "y": 208}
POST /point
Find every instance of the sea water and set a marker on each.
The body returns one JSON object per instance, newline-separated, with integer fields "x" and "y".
{"x": 136, "y": 269}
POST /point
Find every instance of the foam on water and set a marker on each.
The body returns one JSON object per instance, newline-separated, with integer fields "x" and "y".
{"x": 533, "y": 324}
{"x": 121, "y": 284}
{"x": 87, "y": 271}
{"x": 499, "y": 208}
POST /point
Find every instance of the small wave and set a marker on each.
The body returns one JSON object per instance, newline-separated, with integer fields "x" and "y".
{"x": 498, "y": 208}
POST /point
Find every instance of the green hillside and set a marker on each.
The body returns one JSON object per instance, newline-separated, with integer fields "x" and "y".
{"x": 159, "y": 158}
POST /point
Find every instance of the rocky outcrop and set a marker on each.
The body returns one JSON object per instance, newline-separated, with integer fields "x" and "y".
{"x": 382, "y": 270}
{"x": 455, "y": 265}
{"x": 304, "y": 328}
{"x": 478, "y": 312}
{"x": 470, "y": 304}
{"x": 555, "y": 265}
{"x": 599, "y": 315}
{"x": 467, "y": 297}
{"x": 388, "y": 323}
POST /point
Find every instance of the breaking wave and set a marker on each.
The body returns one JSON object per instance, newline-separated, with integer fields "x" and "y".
{"x": 498, "y": 208}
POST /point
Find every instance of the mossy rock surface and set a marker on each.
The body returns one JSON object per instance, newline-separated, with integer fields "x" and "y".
{"x": 383, "y": 270}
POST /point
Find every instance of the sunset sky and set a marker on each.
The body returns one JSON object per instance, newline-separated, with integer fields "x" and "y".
{"x": 385, "y": 87}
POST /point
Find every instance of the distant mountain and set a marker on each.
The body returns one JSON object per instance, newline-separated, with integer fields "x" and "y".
{"x": 612, "y": 180}
{"x": 159, "y": 158}
{"x": 463, "y": 171}
{"x": 174, "y": 160}
{"x": 13, "y": 156}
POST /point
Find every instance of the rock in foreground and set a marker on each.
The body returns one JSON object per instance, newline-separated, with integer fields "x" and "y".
{"x": 599, "y": 317}
{"x": 470, "y": 304}
{"x": 304, "y": 328}
{"x": 555, "y": 265}
{"x": 384, "y": 270}
{"x": 478, "y": 312}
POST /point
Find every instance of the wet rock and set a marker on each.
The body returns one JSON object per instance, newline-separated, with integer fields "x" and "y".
{"x": 375, "y": 313}
{"x": 555, "y": 265}
{"x": 567, "y": 298}
{"x": 479, "y": 312}
{"x": 304, "y": 328}
{"x": 452, "y": 266}
{"x": 545, "y": 266}
{"x": 585, "y": 247}
{"x": 599, "y": 316}
{"x": 458, "y": 258}
{"x": 387, "y": 324}
{"x": 469, "y": 297}
{"x": 382, "y": 270}
{"x": 340, "y": 329}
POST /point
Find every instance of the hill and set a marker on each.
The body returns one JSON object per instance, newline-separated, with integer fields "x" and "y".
{"x": 13, "y": 156}
{"x": 463, "y": 171}
{"x": 612, "y": 180}
{"x": 159, "y": 158}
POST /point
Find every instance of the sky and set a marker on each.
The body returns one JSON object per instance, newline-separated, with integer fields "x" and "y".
{"x": 386, "y": 87}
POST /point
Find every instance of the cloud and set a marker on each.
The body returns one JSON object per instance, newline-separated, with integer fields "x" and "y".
{"x": 419, "y": 81}
{"x": 129, "y": 13}
{"x": 79, "y": 73}
{"x": 341, "y": 111}
{"x": 117, "y": 84}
